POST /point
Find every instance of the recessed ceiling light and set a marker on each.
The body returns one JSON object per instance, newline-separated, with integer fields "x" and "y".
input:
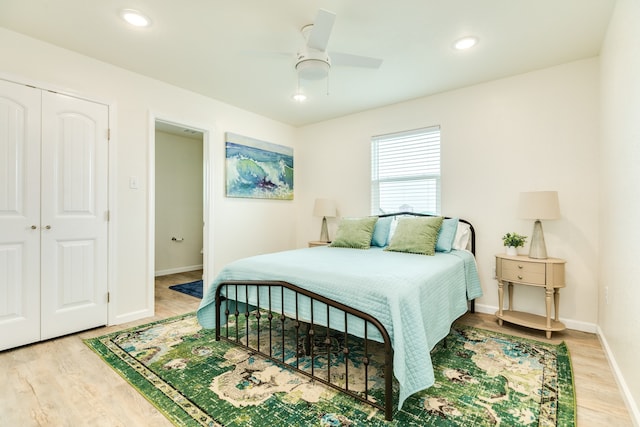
{"x": 465, "y": 43}
{"x": 299, "y": 97}
{"x": 135, "y": 18}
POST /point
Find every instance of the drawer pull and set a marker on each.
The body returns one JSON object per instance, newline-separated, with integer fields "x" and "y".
{"x": 520, "y": 267}
{"x": 520, "y": 277}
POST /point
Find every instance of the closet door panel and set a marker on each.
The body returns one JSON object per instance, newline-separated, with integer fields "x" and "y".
{"x": 74, "y": 214}
{"x": 19, "y": 214}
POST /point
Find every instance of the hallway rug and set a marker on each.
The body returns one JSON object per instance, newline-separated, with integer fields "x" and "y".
{"x": 192, "y": 288}
{"x": 483, "y": 378}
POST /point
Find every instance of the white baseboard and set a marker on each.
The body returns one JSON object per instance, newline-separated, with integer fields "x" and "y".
{"x": 576, "y": 325}
{"x": 130, "y": 317}
{"x": 178, "y": 270}
{"x": 487, "y": 309}
{"x": 632, "y": 406}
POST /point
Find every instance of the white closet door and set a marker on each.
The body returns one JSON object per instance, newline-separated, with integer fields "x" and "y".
{"x": 19, "y": 215}
{"x": 73, "y": 214}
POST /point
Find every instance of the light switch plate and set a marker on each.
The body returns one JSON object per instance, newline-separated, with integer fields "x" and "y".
{"x": 133, "y": 182}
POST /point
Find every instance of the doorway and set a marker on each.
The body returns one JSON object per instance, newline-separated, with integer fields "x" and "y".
{"x": 179, "y": 199}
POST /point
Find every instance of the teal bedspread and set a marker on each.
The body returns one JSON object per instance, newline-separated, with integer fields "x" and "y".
{"x": 416, "y": 297}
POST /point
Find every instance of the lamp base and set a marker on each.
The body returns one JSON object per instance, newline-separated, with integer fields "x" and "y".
{"x": 324, "y": 231}
{"x": 537, "y": 249}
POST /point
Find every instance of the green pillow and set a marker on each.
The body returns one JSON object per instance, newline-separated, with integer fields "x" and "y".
{"x": 354, "y": 233}
{"x": 416, "y": 235}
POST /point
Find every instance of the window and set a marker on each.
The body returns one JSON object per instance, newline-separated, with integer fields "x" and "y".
{"x": 405, "y": 172}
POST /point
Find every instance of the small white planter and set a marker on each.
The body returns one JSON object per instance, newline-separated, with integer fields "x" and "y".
{"x": 512, "y": 250}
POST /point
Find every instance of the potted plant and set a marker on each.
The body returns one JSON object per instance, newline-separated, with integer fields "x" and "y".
{"x": 512, "y": 241}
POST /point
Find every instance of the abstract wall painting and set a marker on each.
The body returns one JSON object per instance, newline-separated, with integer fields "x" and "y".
{"x": 258, "y": 169}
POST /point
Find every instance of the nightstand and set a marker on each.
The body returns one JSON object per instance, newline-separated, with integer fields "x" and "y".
{"x": 317, "y": 243}
{"x": 544, "y": 273}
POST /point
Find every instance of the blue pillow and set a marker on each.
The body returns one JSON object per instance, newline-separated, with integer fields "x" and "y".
{"x": 447, "y": 235}
{"x": 380, "y": 235}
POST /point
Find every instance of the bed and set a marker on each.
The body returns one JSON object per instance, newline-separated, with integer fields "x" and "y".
{"x": 405, "y": 301}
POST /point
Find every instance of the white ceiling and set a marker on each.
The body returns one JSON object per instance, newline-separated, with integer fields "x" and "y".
{"x": 242, "y": 52}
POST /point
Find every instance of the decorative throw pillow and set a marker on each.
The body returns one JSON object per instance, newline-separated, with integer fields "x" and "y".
{"x": 416, "y": 235}
{"x": 355, "y": 233}
{"x": 381, "y": 231}
{"x": 447, "y": 235}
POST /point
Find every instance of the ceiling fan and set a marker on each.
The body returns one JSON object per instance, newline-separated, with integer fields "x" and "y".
{"x": 313, "y": 61}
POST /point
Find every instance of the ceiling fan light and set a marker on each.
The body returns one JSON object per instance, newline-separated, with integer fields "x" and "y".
{"x": 313, "y": 69}
{"x": 135, "y": 18}
{"x": 465, "y": 43}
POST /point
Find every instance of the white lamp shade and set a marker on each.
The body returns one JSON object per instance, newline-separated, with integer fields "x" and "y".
{"x": 324, "y": 208}
{"x": 539, "y": 205}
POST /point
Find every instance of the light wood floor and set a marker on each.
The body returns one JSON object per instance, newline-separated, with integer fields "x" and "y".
{"x": 62, "y": 382}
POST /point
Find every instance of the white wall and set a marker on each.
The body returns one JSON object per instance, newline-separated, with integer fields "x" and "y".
{"x": 536, "y": 131}
{"x": 619, "y": 317}
{"x": 179, "y": 200}
{"x": 241, "y": 227}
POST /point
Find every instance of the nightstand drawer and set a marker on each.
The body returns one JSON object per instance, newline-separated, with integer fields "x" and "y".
{"x": 522, "y": 271}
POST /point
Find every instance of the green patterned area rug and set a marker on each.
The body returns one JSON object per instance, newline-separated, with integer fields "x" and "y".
{"x": 483, "y": 378}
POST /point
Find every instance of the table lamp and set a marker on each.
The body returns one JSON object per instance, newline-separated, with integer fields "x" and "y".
{"x": 538, "y": 205}
{"x": 324, "y": 208}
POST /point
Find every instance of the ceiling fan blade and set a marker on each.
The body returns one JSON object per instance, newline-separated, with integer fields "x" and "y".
{"x": 339, "y": 58}
{"x": 321, "y": 31}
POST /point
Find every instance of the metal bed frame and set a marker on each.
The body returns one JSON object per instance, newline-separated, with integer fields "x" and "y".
{"x": 272, "y": 315}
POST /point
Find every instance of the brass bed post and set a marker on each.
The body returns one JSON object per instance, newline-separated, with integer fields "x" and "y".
{"x": 258, "y": 319}
{"x": 345, "y": 350}
{"x": 282, "y": 319}
{"x": 270, "y": 318}
{"x": 327, "y": 342}
{"x": 472, "y": 303}
{"x": 218, "y": 289}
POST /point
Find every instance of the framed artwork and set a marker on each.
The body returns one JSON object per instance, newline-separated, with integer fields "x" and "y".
{"x": 258, "y": 169}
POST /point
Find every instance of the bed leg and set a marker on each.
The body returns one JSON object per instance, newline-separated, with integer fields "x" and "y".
{"x": 388, "y": 384}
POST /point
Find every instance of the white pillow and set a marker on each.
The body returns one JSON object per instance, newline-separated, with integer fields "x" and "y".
{"x": 462, "y": 240}
{"x": 392, "y": 229}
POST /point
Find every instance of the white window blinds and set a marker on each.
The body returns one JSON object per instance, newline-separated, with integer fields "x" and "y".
{"x": 405, "y": 172}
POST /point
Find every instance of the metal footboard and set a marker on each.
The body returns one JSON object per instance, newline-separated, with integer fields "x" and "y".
{"x": 256, "y": 315}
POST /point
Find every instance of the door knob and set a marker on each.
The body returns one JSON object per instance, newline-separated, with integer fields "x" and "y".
{"x": 48, "y": 227}
{"x": 33, "y": 227}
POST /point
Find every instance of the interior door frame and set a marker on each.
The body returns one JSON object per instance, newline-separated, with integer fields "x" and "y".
{"x": 207, "y": 202}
